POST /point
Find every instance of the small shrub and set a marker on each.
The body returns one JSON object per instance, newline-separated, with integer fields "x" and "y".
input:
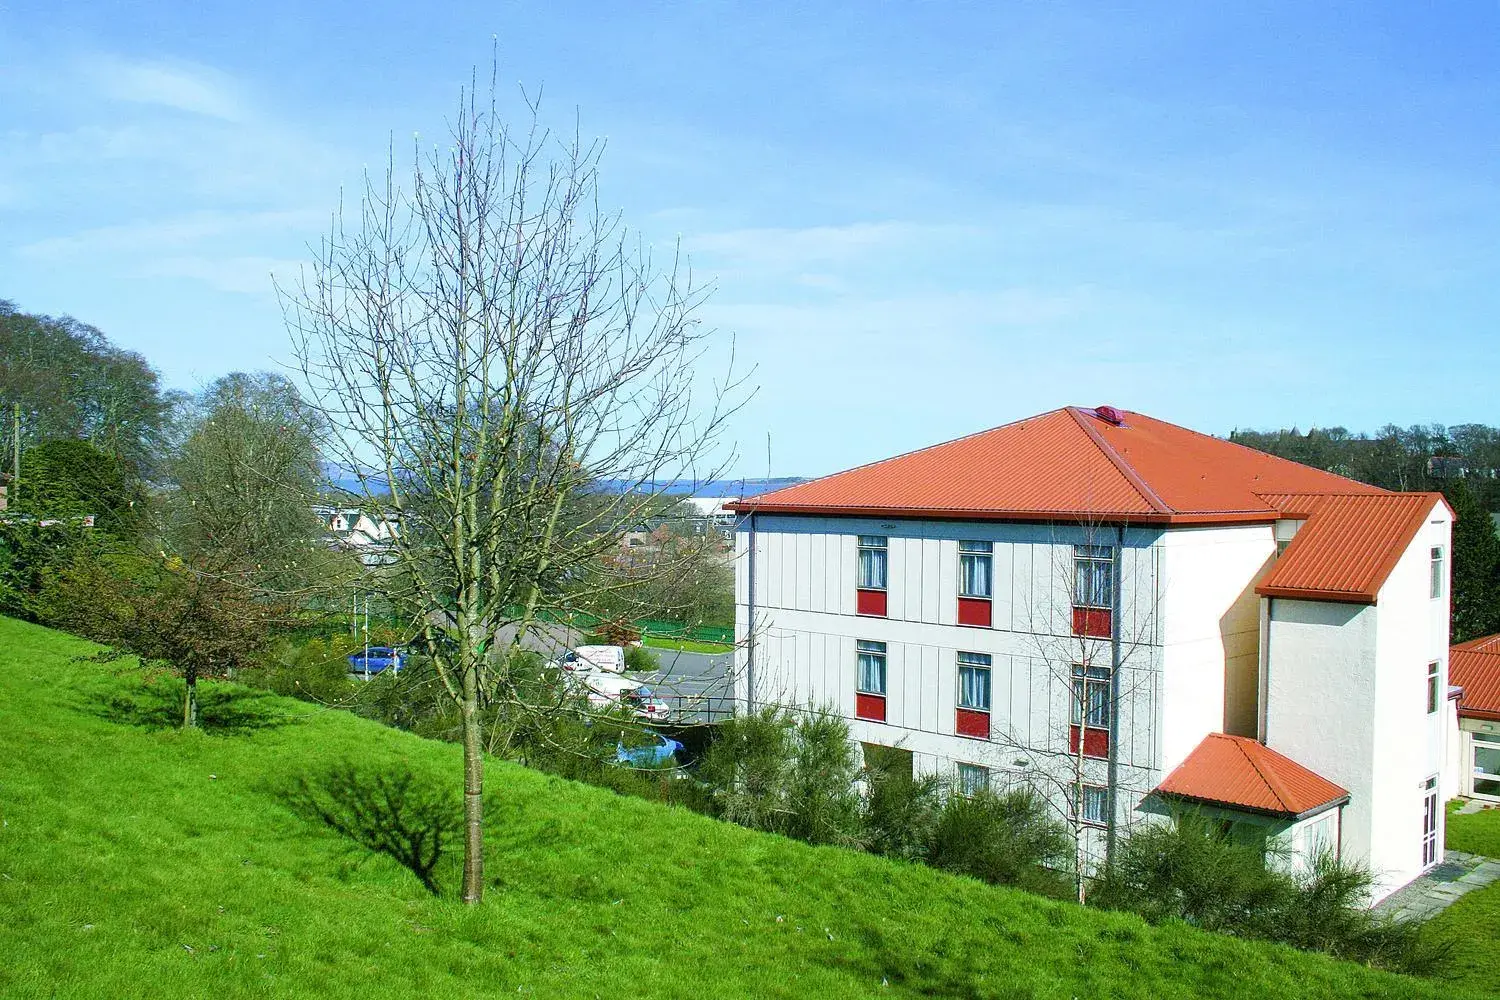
{"x": 641, "y": 660}
{"x": 1003, "y": 839}
{"x": 786, "y": 774}
{"x": 1192, "y": 870}
{"x": 901, "y": 813}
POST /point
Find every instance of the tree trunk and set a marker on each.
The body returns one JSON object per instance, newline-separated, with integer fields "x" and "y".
{"x": 190, "y": 699}
{"x": 473, "y": 887}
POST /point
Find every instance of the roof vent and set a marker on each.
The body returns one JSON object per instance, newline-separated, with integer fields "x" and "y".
{"x": 1110, "y": 415}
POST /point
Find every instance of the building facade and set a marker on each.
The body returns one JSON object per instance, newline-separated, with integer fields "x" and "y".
{"x": 1125, "y": 616}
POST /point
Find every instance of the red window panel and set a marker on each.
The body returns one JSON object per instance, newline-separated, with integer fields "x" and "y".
{"x": 870, "y": 602}
{"x": 1092, "y": 621}
{"x": 974, "y": 611}
{"x": 869, "y": 706}
{"x": 1095, "y": 741}
{"x": 969, "y": 722}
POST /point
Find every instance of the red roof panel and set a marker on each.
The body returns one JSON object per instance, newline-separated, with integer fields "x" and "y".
{"x": 1240, "y": 773}
{"x": 1067, "y": 463}
{"x": 1348, "y": 546}
{"x": 1475, "y": 667}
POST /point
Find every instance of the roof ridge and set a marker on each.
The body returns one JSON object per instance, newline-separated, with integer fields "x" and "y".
{"x": 1118, "y": 461}
{"x": 905, "y": 454}
{"x": 1272, "y": 782}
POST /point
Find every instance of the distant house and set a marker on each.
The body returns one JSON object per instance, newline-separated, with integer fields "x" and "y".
{"x": 1474, "y": 719}
{"x": 351, "y": 529}
{"x": 1129, "y": 618}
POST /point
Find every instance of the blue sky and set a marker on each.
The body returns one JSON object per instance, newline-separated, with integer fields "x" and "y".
{"x": 921, "y": 220}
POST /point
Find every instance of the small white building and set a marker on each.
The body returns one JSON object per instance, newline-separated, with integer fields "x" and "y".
{"x": 372, "y": 539}
{"x": 1122, "y": 614}
{"x": 1474, "y": 720}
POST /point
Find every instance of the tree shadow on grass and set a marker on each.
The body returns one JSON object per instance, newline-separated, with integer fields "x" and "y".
{"x": 221, "y": 708}
{"x": 385, "y": 809}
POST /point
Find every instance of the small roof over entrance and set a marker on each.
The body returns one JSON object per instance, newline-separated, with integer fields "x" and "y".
{"x": 1475, "y": 667}
{"x": 1238, "y": 773}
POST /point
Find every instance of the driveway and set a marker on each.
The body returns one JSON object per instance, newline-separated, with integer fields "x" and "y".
{"x": 698, "y": 686}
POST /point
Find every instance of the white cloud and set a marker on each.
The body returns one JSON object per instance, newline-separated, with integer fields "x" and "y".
{"x": 156, "y": 236}
{"x": 240, "y": 275}
{"x": 813, "y": 247}
{"x": 180, "y": 85}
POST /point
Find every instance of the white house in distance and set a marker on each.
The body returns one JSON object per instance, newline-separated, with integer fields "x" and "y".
{"x": 371, "y": 539}
{"x": 1125, "y": 615}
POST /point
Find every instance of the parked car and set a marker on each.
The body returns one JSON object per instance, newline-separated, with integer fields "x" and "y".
{"x": 376, "y": 659}
{"x": 614, "y": 691}
{"x": 655, "y": 754}
{"x": 584, "y": 659}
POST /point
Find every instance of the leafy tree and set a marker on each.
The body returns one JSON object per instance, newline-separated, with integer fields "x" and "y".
{"x": 66, "y": 479}
{"x": 167, "y": 612}
{"x": 67, "y": 381}
{"x": 1476, "y": 566}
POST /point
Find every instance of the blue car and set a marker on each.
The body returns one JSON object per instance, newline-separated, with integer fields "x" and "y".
{"x": 652, "y": 755}
{"x": 377, "y": 659}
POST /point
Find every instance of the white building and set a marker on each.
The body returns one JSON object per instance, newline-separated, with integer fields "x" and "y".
{"x": 1098, "y": 598}
{"x": 1474, "y": 720}
{"x": 372, "y": 539}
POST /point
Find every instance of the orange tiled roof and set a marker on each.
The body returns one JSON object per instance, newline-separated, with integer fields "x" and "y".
{"x": 1068, "y": 463}
{"x": 1240, "y": 773}
{"x": 1348, "y": 546}
{"x": 1475, "y": 667}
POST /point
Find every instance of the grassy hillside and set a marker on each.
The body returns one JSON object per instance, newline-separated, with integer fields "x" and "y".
{"x": 140, "y": 862}
{"x": 1473, "y": 923}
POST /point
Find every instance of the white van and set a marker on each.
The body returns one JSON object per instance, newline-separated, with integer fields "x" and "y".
{"x": 586, "y": 659}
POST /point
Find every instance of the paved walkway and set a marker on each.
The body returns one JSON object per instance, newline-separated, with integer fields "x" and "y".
{"x": 1458, "y": 873}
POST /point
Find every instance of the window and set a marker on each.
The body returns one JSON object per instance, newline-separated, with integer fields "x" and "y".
{"x": 872, "y": 561}
{"x": 870, "y": 597}
{"x": 869, "y": 684}
{"x": 1090, "y": 710}
{"x": 973, "y": 779}
{"x": 1434, "y": 698}
{"x": 1437, "y": 572}
{"x": 972, "y": 715}
{"x": 974, "y": 681}
{"x": 974, "y": 559}
{"x": 871, "y": 667}
{"x": 1093, "y": 590}
{"x": 1091, "y": 696}
{"x": 1429, "y": 822}
{"x": 1095, "y": 804}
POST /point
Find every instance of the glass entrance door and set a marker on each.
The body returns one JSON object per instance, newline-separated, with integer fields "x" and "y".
{"x": 1429, "y": 823}
{"x": 1486, "y": 764}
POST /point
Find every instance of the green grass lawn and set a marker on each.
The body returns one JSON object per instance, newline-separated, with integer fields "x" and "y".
{"x": 686, "y": 645}
{"x": 1473, "y": 923}
{"x": 142, "y": 862}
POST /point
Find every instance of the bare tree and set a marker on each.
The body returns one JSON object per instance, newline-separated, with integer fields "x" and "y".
{"x": 494, "y": 348}
{"x": 1095, "y": 639}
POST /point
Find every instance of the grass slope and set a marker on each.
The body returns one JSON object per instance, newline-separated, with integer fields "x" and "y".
{"x": 148, "y": 863}
{"x": 1473, "y": 923}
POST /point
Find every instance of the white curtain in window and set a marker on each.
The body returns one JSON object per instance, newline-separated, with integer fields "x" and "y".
{"x": 872, "y": 568}
{"x": 1093, "y": 583}
{"x": 871, "y": 670}
{"x": 974, "y": 685}
{"x": 974, "y": 574}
